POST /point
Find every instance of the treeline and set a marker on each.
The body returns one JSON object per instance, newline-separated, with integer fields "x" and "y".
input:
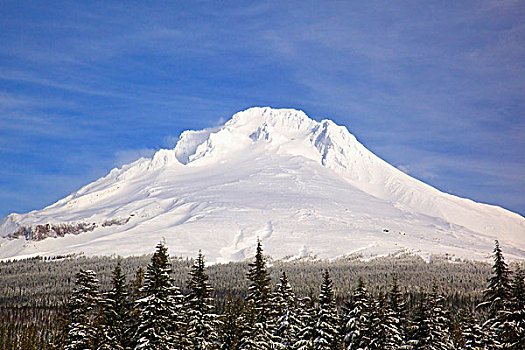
{"x": 328, "y": 311}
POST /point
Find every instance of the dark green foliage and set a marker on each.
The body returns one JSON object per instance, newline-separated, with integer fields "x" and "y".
{"x": 495, "y": 300}
{"x": 473, "y": 337}
{"x": 32, "y": 293}
{"x": 398, "y": 309}
{"x": 513, "y": 317}
{"x": 83, "y": 311}
{"x": 231, "y": 326}
{"x": 383, "y": 332}
{"x": 160, "y": 319}
{"x": 201, "y": 320}
{"x": 116, "y": 320}
{"x": 258, "y": 329}
{"x": 499, "y": 286}
{"x": 420, "y": 336}
{"x": 306, "y": 316}
{"x": 325, "y": 333}
{"x": 287, "y": 321}
{"x": 357, "y": 319}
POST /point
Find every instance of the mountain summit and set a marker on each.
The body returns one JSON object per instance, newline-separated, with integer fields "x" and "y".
{"x": 305, "y": 188}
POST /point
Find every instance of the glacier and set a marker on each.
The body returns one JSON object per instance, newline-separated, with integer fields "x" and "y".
{"x": 304, "y": 188}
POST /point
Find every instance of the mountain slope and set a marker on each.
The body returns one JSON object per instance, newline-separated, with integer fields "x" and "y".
{"x": 303, "y": 187}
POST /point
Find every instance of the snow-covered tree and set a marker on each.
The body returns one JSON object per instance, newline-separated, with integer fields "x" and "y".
{"x": 383, "y": 333}
{"x": 430, "y": 327}
{"x": 495, "y": 299}
{"x": 397, "y": 305}
{"x": 471, "y": 332}
{"x": 306, "y": 317}
{"x": 287, "y": 322}
{"x": 357, "y": 319}
{"x": 160, "y": 321}
{"x": 513, "y": 317}
{"x": 258, "y": 329}
{"x": 202, "y": 321}
{"x": 231, "y": 323}
{"x": 326, "y": 335}
{"x": 116, "y": 316}
{"x": 440, "y": 326}
{"x": 83, "y": 309}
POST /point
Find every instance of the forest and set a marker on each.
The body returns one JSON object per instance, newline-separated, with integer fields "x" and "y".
{"x": 161, "y": 302}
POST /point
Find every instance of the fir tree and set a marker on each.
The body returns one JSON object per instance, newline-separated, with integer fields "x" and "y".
{"x": 306, "y": 318}
{"x": 499, "y": 285}
{"x": 440, "y": 330}
{"x": 495, "y": 297}
{"x": 357, "y": 319}
{"x": 513, "y": 317}
{"x": 326, "y": 336}
{"x": 116, "y": 317}
{"x": 202, "y": 321}
{"x": 430, "y": 328}
{"x": 159, "y": 326}
{"x": 83, "y": 309}
{"x": 421, "y": 328}
{"x": 383, "y": 332}
{"x": 397, "y": 305}
{"x": 258, "y": 329}
{"x": 471, "y": 332}
{"x": 288, "y": 324}
{"x": 231, "y": 326}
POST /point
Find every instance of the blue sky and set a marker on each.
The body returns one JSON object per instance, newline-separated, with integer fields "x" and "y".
{"x": 435, "y": 88}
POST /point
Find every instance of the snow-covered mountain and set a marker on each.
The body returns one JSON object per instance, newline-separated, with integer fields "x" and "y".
{"x": 303, "y": 187}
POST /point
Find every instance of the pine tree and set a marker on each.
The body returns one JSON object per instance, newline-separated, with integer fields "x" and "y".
{"x": 83, "y": 309}
{"x": 326, "y": 336}
{"x": 397, "y": 305}
{"x": 287, "y": 328}
{"x": 306, "y": 318}
{"x": 471, "y": 332}
{"x": 258, "y": 329}
{"x": 357, "y": 319}
{"x": 231, "y": 326}
{"x": 421, "y": 328}
{"x": 430, "y": 328}
{"x": 495, "y": 297}
{"x": 513, "y": 317}
{"x": 160, "y": 319}
{"x": 383, "y": 333}
{"x": 440, "y": 332}
{"x": 202, "y": 321}
{"x": 116, "y": 316}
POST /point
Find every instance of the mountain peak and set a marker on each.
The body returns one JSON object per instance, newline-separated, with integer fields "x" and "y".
{"x": 274, "y": 174}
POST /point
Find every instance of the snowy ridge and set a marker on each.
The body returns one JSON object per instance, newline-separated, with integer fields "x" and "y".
{"x": 304, "y": 187}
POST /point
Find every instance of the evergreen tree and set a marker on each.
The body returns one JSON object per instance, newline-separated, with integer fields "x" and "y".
{"x": 430, "y": 329}
{"x": 421, "y": 327}
{"x": 513, "y": 317}
{"x": 471, "y": 332}
{"x": 258, "y": 329}
{"x": 440, "y": 326}
{"x": 160, "y": 319}
{"x": 306, "y": 318}
{"x": 326, "y": 336}
{"x": 202, "y": 321}
{"x": 231, "y": 326}
{"x": 397, "y": 305}
{"x": 116, "y": 317}
{"x": 495, "y": 297}
{"x": 83, "y": 309}
{"x": 288, "y": 324}
{"x": 383, "y": 332}
{"x": 357, "y": 319}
